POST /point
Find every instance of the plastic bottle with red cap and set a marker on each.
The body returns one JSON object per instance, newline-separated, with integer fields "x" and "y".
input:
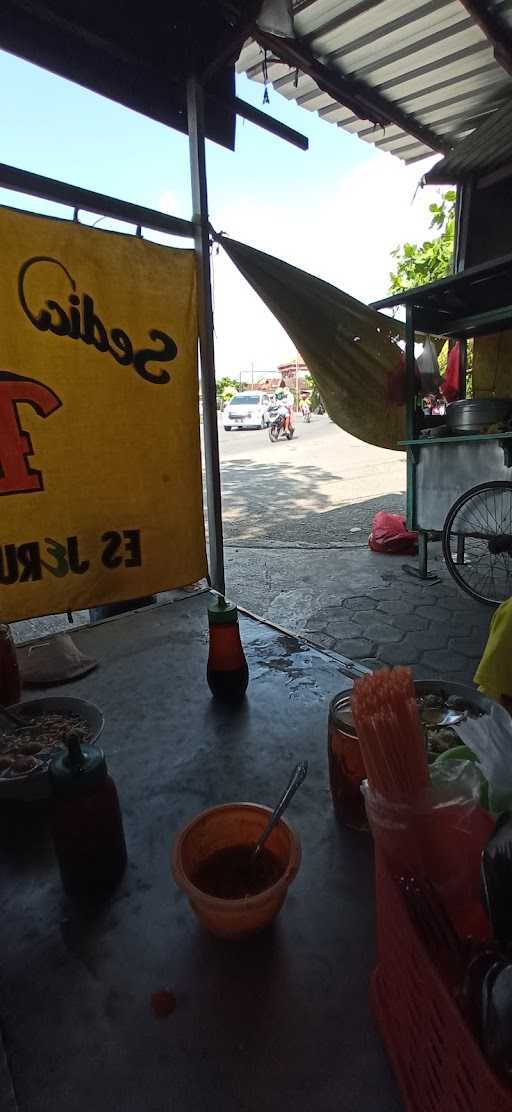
{"x": 227, "y": 671}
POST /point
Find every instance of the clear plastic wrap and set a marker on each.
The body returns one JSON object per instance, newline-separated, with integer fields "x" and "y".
{"x": 440, "y": 839}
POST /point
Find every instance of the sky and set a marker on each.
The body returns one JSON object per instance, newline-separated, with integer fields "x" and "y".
{"x": 337, "y": 210}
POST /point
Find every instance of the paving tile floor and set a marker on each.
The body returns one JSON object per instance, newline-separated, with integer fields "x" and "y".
{"x": 433, "y": 626}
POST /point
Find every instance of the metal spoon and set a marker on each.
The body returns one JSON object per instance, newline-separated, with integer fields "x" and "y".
{"x": 433, "y": 716}
{"x": 299, "y": 774}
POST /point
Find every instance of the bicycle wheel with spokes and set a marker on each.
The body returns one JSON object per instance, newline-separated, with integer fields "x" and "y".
{"x": 477, "y": 542}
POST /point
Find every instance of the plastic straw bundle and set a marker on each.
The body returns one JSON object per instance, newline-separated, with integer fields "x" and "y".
{"x": 390, "y": 734}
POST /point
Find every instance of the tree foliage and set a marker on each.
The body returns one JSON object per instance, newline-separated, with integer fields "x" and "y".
{"x": 226, "y": 387}
{"x": 419, "y": 263}
{"x": 315, "y": 398}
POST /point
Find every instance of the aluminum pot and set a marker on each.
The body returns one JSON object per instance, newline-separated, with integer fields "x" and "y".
{"x": 471, "y": 415}
{"x": 475, "y": 699}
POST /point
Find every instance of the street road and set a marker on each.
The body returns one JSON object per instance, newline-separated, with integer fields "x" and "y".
{"x": 319, "y": 491}
{"x": 296, "y": 518}
{"x": 321, "y": 488}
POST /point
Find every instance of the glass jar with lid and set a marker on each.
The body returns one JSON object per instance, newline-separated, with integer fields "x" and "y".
{"x": 10, "y": 684}
{"x": 346, "y": 766}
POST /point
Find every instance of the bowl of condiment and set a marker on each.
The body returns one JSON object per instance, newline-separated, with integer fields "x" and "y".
{"x": 26, "y": 751}
{"x": 233, "y": 895}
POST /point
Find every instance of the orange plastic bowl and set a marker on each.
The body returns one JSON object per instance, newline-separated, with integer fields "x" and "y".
{"x": 234, "y": 824}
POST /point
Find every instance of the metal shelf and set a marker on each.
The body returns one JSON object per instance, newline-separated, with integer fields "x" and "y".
{"x": 423, "y": 442}
{"x": 472, "y": 302}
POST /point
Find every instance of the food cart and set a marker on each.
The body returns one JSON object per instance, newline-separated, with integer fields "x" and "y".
{"x": 459, "y": 487}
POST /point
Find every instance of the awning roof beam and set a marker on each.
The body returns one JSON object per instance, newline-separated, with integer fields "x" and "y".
{"x": 365, "y": 102}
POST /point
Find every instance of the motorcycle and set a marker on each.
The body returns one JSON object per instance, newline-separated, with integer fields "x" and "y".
{"x": 277, "y": 425}
{"x": 306, "y": 414}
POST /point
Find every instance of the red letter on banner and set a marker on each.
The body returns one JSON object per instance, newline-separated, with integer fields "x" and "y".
{"x": 16, "y": 477}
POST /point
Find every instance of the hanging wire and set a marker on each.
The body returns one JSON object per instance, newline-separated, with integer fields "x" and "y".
{"x": 264, "y": 67}
{"x": 215, "y": 241}
{"x": 419, "y": 185}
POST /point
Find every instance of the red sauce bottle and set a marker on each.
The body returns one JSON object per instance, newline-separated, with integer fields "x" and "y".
{"x": 227, "y": 672}
{"x": 86, "y": 823}
{"x": 10, "y": 684}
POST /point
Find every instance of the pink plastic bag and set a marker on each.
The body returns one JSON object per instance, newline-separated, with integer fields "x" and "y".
{"x": 390, "y": 535}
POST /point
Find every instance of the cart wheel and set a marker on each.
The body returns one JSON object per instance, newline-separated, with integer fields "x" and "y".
{"x": 478, "y": 528}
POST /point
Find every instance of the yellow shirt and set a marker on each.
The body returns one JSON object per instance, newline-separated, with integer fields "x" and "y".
{"x": 494, "y": 673}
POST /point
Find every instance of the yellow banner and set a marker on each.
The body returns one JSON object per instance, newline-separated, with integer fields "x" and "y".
{"x": 100, "y": 474}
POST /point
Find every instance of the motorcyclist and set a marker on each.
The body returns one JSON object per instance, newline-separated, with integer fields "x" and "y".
{"x": 284, "y": 395}
{"x": 282, "y": 411}
{"x": 305, "y": 409}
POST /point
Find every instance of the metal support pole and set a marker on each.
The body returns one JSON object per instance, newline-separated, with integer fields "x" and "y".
{"x": 462, "y": 223}
{"x": 421, "y": 572}
{"x": 275, "y": 127}
{"x": 423, "y": 554}
{"x": 208, "y": 388}
{"x": 410, "y": 404}
{"x": 22, "y": 181}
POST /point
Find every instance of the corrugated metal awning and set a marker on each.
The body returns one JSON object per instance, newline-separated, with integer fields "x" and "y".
{"x": 408, "y": 78}
{"x": 486, "y": 149}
